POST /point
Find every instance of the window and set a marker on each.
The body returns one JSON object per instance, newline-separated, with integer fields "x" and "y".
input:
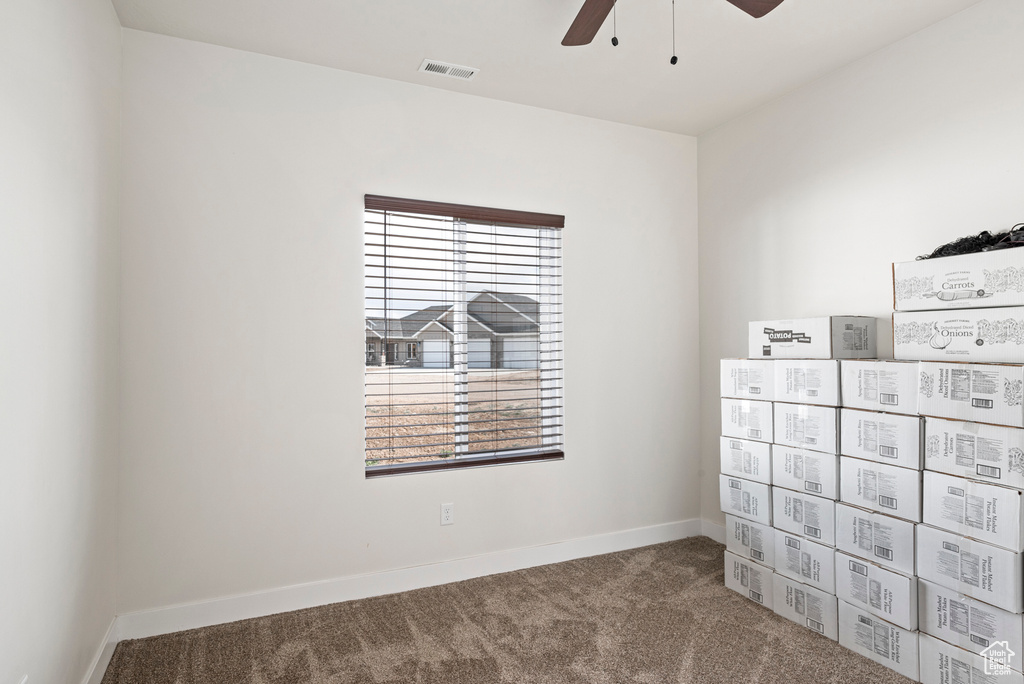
{"x": 475, "y": 295}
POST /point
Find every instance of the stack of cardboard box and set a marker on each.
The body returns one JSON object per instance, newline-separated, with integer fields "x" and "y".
{"x": 780, "y": 464}
{"x": 880, "y": 493}
{"x": 960, "y": 308}
{"x": 821, "y": 483}
{"x": 880, "y": 503}
{"x": 962, "y": 318}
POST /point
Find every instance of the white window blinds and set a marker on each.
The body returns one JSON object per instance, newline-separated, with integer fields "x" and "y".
{"x": 465, "y": 306}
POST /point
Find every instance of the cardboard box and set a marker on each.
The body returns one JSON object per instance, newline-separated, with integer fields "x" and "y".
{"x": 748, "y": 539}
{"x": 810, "y": 516}
{"x": 974, "y": 335}
{"x": 805, "y": 561}
{"x": 747, "y": 419}
{"x": 882, "y": 488}
{"x": 978, "y": 510}
{"x": 882, "y": 437}
{"x": 977, "y": 392}
{"x": 876, "y": 537}
{"x": 748, "y": 379}
{"x": 990, "y": 453}
{"x": 965, "y": 281}
{"x": 943, "y": 663}
{"x": 988, "y": 573}
{"x": 745, "y": 499}
{"x": 807, "y": 427}
{"x": 966, "y": 622}
{"x": 803, "y": 470}
{"x": 812, "y": 608}
{"x": 746, "y": 577}
{"x": 878, "y": 640}
{"x": 887, "y": 594}
{"x": 874, "y": 385}
{"x": 826, "y": 337}
{"x": 747, "y": 459}
{"x": 807, "y": 381}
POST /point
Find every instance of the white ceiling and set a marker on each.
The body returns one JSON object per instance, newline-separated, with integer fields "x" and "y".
{"x": 728, "y": 64}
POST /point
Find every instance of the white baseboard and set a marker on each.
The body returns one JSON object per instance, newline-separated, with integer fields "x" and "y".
{"x": 203, "y": 614}
{"x": 713, "y": 530}
{"x": 103, "y": 654}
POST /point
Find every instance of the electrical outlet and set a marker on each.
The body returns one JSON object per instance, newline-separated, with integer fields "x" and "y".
{"x": 447, "y": 514}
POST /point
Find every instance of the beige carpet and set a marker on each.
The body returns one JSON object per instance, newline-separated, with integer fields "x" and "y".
{"x": 656, "y": 615}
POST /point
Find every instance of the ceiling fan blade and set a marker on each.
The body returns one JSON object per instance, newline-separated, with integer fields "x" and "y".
{"x": 588, "y": 21}
{"x": 756, "y": 8}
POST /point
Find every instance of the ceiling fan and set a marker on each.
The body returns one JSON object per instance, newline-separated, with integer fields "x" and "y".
{"x": 594, "y": 12}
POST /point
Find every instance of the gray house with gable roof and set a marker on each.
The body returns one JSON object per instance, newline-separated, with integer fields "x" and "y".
{"x": 503, "y": 331}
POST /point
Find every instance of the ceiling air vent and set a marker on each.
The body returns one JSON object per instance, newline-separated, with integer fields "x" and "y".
{"x": 463, "y": 73}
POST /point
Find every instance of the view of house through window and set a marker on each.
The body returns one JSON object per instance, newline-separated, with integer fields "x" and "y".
{"x": 468, "y": 314}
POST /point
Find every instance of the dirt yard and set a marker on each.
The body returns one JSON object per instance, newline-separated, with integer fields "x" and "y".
{"x": 503, "y": 413}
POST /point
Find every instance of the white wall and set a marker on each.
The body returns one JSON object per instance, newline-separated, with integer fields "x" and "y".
{"x": 242, "y": 321}
{"x": 806, "y": 202}
{"x": 60, "y": 64}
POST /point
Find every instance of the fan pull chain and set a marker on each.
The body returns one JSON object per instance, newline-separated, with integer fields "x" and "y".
{"x": 674, "y": 58}
{"x": 615, "y": 29}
